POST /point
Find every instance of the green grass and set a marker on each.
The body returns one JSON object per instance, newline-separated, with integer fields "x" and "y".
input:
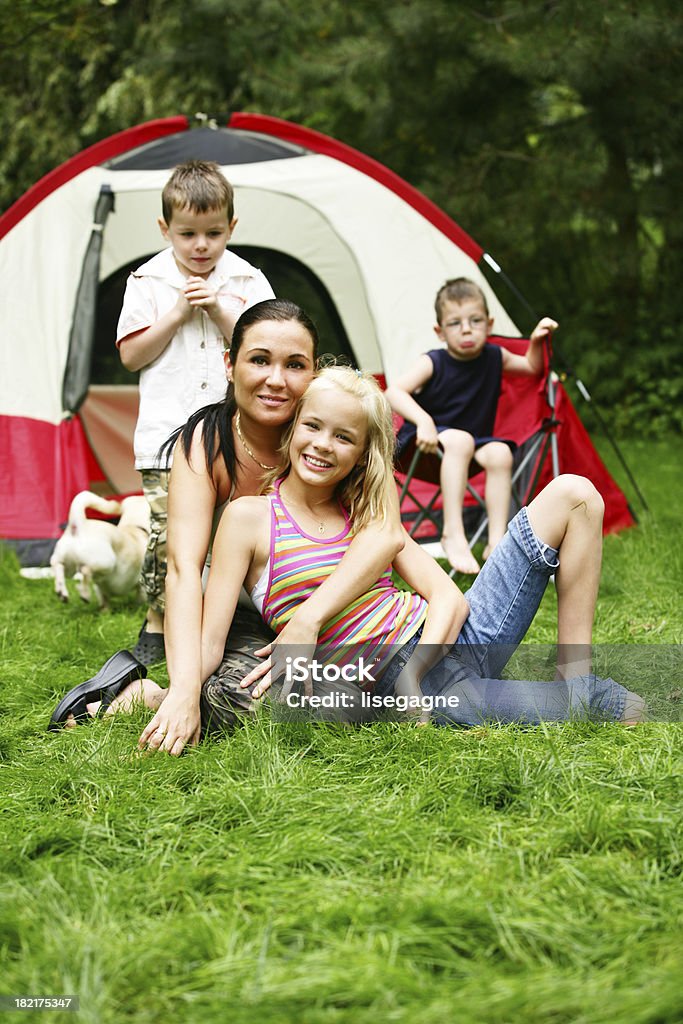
{"x": 312, "y": 874}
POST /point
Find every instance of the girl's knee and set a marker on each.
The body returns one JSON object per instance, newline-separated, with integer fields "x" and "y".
{"x": 579, "y": 493}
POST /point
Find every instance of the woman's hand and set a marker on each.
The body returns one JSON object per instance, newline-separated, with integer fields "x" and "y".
{"x": 175, "y": 725}
{"x": 261, "y": 672}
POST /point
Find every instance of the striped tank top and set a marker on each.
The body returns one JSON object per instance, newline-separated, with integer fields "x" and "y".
{"x": 299, "y": 563}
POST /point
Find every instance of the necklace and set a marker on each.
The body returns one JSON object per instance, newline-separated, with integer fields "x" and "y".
{"x": 321, "y": 522}
{"x": 246, "y": 447}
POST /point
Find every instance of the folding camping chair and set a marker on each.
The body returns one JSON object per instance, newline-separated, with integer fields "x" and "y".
{"x": 525, "y": 415}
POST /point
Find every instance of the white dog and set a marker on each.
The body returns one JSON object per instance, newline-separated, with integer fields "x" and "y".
{"x": 108, "y": 557}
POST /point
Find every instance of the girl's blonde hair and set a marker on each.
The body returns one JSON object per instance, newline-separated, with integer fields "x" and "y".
{"x": 365, "y": 492}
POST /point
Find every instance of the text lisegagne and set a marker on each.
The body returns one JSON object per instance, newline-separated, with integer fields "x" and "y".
{"x": 393, "y": 702}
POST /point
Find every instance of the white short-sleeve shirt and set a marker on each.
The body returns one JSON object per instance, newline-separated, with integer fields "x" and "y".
{"x": 190, "y": 372}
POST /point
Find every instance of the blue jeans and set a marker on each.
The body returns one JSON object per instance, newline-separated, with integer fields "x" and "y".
{"x": 503, "y": 602}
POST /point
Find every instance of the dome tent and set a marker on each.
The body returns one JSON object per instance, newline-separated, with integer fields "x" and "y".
{"x": 372, "y": 247}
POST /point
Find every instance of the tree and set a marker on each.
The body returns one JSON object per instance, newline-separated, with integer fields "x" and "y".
{"x": 552, "y": 132}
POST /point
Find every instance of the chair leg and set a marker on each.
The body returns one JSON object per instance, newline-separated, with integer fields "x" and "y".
{"x": 422, "y": 511}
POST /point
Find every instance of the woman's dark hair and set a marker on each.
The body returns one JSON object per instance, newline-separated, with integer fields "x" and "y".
{"x": 216, "y": 419}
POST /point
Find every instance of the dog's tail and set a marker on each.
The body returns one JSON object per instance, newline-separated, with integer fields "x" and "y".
{"x": 85, "y": 500}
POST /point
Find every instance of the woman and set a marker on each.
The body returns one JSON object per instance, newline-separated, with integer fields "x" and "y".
{"x": 224, "y": 452}
{"x": 337, "y": 476}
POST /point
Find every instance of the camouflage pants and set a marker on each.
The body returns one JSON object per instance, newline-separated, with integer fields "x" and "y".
{"x": 155, "y": 488}
{"x": 223, "y": 702}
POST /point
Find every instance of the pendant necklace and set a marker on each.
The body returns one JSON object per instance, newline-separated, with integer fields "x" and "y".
{"x": 247, "y": 449}
{"x": 321, "y": 522}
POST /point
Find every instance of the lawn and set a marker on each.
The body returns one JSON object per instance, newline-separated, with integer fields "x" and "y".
{"x": 318, "y": 875}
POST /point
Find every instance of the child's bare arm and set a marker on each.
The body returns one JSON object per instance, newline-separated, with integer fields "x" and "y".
{"x": 448, "y": 607}
{"x": 370, "y": 552}
{"x": 532, "y": 362}
{"x": 447, "y": 611}
{"x": 239, "y": 534}
{"x": 400, "y": 398}
{"x": 143, "y": 347}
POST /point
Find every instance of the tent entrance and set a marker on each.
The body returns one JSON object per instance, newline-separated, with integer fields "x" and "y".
{"x": 289, "y": 277}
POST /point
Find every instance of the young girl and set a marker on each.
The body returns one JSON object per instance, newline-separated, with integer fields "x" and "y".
{"x": 337, "y": 476}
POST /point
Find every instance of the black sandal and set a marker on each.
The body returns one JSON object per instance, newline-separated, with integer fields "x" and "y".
{"x": 122, "y": 668}
{"x": 149, "y": 648}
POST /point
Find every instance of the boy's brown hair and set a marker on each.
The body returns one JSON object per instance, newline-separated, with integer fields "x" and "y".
{"x": 200, "y": 186}
{"x": 458, "y": 289}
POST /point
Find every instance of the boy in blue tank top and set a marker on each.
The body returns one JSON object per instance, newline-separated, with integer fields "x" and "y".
{"x": 448, "y": 399}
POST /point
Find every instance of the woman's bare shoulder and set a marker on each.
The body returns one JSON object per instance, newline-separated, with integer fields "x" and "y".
{"x": 192, "y": 464}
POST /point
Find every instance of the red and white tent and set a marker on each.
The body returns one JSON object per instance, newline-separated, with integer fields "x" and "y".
{"x": 373, "y": 247}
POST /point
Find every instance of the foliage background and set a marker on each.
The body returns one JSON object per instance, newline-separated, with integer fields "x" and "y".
{"x": 552, "y": 132}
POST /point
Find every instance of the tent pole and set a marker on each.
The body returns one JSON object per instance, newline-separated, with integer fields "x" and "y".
{"x": 585, "y": 394}
{"x": 79, "y": 357}
{"x": 554, "y": 450}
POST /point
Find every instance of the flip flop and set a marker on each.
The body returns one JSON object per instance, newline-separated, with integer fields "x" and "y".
{"x": 149, "y": 648}
{"x": 122, "y": 668}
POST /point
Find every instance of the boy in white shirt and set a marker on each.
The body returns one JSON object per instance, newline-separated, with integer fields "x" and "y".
{"x": 178, "y": 314}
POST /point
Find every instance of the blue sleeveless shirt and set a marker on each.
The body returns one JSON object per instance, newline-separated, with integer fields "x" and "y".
{"x": 461, "y": 394}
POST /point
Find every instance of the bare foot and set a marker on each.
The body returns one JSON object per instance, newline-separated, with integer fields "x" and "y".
{"x": 142, "y": 692}
{"x": 459, "y": 555}
{"x": 635, "y": 710}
